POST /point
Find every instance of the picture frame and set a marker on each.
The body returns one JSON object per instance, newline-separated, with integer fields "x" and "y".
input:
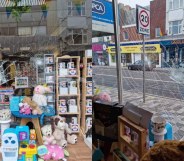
{"x": 51, "y": 88}
{"x": 21, "y": 82}
{"x": 49, "y": 60}
{"x": 49, "y": 79}
{"x": 49, "y": 69}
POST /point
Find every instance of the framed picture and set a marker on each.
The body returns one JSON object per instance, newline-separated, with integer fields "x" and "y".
{"x": 51, "y": 88}
{"x": 21, "y": 82}
{"x": 49, "y": 69}
{"x": 49, "y": 60}
{"x": 49, "y": 79}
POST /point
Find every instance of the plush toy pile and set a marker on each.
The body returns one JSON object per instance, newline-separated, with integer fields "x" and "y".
{"x": 103, "y": 96}
{"x": 54, "y": 138}
{"x": 27, "y": 107}
{"x": 167, "y": 150}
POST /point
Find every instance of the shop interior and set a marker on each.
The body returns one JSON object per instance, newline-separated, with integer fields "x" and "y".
{"x": 45, "y": 107}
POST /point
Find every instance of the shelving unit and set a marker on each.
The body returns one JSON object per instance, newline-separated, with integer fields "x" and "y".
{"x": 86, "y": 94}
{"x": 49, "y": 76}
{"x": 125, "y": 141}
{"x": 64, "y": 81}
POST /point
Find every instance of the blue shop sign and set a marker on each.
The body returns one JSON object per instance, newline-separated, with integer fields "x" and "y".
{"x": 173, "y": 43}
{"x": 102, "y": 11}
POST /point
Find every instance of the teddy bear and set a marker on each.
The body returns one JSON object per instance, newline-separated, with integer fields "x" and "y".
{"x": 48, "y": 138}
{"x": 166, "y": 150}
{"x": 39, "y": 96}
{"x": 72, "y": 139}
{"x": 103, "y": 96}
{"x": 48, "y": 152}
{"x": 25, "y": 109}
{"x": 35, "y": 108}
{"x": 60, "y": 127}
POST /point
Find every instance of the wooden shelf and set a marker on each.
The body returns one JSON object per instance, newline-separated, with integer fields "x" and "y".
{"x": 59, "y": 78}
{"x": 125, "y": 141}
{"x": 89, "y": 95}
{"x": 88, "y": 114}
{"x": 68, "y": 113}
{"x": 85, "y": 96}
{"x": 69, "y": 76}
{"x": 71, "y": 95}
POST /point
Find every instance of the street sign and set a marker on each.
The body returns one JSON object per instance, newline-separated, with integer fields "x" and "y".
{"x": 143, "y": 20}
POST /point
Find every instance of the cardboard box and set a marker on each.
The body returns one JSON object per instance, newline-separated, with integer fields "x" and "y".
{"x": 63, "y": 72}
{"x": 62, "y": 109}
{"x": 63, "y": 91}
{"x": 73, "y": 108}
{"x": 72, "y": 90}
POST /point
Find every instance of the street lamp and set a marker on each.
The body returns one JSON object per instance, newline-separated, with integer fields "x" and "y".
{"x": 117, "y": 49}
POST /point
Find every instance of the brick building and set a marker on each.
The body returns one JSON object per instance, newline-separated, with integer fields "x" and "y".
{"x": 158, "y": 18}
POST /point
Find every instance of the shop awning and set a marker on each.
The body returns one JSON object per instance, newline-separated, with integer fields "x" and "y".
{"x": 149, "y": 48}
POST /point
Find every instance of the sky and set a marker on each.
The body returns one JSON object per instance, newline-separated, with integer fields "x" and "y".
{"x": 133, "y": 3}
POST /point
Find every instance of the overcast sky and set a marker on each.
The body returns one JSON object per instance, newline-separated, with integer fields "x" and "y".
{"x": 133, "y": 3}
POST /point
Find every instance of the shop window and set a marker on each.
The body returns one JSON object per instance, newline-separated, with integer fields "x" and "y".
{"x": 77, "y": 36}
{"x": 39, "y": 30}
{"x": 113, "y": 58}
{"x": 24, "y": 31}
{"x": 175, "y": 27}
{"x": 157, "y": 32}
{"x": 76, "y": 10}
{"x": 8, "y": 31}
{"x": 175, "y": 4}
{"x": 125, "y": 35}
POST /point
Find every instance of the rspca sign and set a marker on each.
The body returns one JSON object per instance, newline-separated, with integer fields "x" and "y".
{"x": 102, "y": 11}
{"x": 98, "y": 7}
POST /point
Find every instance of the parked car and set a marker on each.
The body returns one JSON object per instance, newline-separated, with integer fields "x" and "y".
{"x": 138, "y": 65}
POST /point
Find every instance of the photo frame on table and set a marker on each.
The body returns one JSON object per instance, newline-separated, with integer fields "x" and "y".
{"x": 21, "y": 82}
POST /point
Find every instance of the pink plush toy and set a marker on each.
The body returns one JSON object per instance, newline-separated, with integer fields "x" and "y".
{"x": 25, "y": 109}
{"x": 55, "y": 152}
{"x": 104, "y": 96}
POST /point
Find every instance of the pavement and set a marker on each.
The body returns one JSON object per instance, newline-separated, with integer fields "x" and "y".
{"x": 171, "y": 109}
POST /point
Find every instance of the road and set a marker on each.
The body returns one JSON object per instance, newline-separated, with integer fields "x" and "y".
{"x": 158, "y": 82}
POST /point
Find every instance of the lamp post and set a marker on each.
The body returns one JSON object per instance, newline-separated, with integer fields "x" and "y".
{"x": 117, "y": 49}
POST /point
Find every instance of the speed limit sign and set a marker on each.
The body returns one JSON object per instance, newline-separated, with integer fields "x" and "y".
{"x": 143, "y": 20}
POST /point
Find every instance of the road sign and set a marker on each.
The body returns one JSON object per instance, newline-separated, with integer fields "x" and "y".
{"x": 143, "y": 20}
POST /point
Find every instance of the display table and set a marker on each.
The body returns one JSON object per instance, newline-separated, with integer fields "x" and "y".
{"x": 4, "y": 125}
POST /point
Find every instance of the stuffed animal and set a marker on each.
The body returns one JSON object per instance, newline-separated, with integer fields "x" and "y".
{"x": 48, "y": 138}
{"x": 39, "y": 96}
{"x": 167, "y": 150}
{"x": 48, "y": 152}
{"x": 72, "y": 139}
{"x": 35, "y": 108}
{"x": 25, "y": 109}
{"x": 103, "y": 96}
{"x": 60, "y": 127}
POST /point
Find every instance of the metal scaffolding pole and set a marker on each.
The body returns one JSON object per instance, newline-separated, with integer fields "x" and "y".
{"x": 117, "y": 49}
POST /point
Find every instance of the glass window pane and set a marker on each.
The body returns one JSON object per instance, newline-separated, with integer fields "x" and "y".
{"x": 170, "y": 4}
{"x": 181, "y": 3}
{"x": 175, "y": 30}
{"x": 176, "y": 4}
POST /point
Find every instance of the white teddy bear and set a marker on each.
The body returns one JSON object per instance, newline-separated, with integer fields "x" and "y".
{"x": 39, "y": 96}
{"x": 48, "y": 138}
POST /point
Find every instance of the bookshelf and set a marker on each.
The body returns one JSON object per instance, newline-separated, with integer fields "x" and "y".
{"x": 68, "y": 90}
{"x": 127, "y": 141}
{"x": 49, "y": 76}
{"x": 86, "y": 95}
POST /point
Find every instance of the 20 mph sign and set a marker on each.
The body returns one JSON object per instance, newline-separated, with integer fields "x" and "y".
{"x": 143, "y": 20}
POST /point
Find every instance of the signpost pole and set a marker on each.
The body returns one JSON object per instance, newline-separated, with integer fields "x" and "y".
{"x": 118, "y": 52}
{"x": 143, "y": 69}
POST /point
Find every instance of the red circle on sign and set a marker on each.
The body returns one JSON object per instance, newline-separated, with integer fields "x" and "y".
{"x": 144, "y": 25}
